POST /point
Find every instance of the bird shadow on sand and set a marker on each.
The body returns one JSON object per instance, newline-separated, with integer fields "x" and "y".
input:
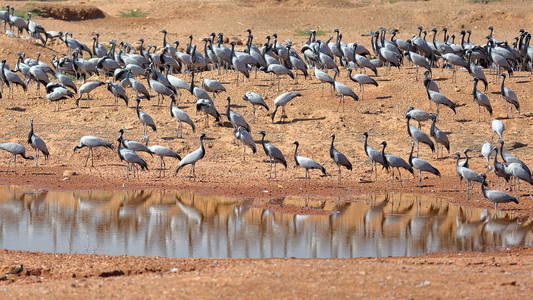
{"x": 523, "y": 81}
{"x": 42, "y": 173}
{"x": 237, "y": 106}
{"x": 517, "y": 145}
{"x": 383, "y": 97}
{"x": 169, "y": 138}
{"x": 440, "y": 79}
{"x": 300, "y": 120}
{"x": 16, "y": 108}
{"x": 463, "y": 120}
{"x": 496, "y": 93}
{"x": 424, "y": 185}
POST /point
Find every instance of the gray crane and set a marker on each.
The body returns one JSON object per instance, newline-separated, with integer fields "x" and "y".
{"x": 419, "y": 61}
{"x": 455, "y": 60}
{"x": 418, "y": 136}
{"x": 65, "y": 81}
{"x": 496, "y": 196}
{"x": 208, "y": 108}
{"x": 139, "y": 88}
{"x": 499, "y": 167}
{"x": 417, "y": 115}
{"x": 57, "y": 92}
{"x": 324, "y": 77}
{"x": 163, "y": 152}
{"x": 117, "y": 91}
{"x": 275, "y": 155}
{"x": 193, "y": 157}
{"x": 498, "y": 127}
{"x": 181, "y": 117}
{"x": 91, "y": 142}
{"x": 343, "y": 91}
{"x": 481, "y": 99}
{"x": 246, "y": 139}
{"x": 11, "y": 78}
{"x": 38, "y": 145}
{"x": 235, "y": 118}
{"x": 509, "y": 95}
{"x": 306, "y": 163}
{"x": 375, "y": 156}
{"x": 213, "y": 86}
{"x": 133, "y": 145}
{"x": 421, "y": 165}
{"x": 429, "y": 83}
{"x": 237, "y": 64}
{"x": 338, "y": 157}
{"x": 87, "y": 88}
{"x": 362, "y": 79}
{"x": 466, "y": 173}
{"x": 256, "y": 100}
{"x": 15, "y": 149}
{"x": 131, "y": 158}
{"x": 486, "y": 151}
{"x": 279, "y": 70}
{"x": 145, "y": 119}
{"x": 438, "y": 135}
{"x": 396, "y": 162}
{"x": 439, "y": 99}
{"x": 281, "y": 101}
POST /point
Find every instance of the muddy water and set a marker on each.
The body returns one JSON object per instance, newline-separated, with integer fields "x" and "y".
{"x": 182, "y": 224}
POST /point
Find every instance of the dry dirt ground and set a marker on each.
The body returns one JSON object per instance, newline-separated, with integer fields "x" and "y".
{"x": 312, "y": 118}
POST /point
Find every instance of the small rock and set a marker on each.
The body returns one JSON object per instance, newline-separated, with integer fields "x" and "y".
{"x": 424, "y": 283}
{"x": 69, "y": 173}
{"x": 173, "y": 270}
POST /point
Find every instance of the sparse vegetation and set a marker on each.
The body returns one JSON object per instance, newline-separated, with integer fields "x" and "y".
{"x": 306, "y": 32}
{"x": 484, "y": 1}
{"x": 23, "y": 12}
{"x": 133, "y": 13}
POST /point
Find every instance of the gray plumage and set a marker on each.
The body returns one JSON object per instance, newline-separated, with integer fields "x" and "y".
{"x": 440, "y": 99}
{"x": 338, "y": 157}
{"x": 281, "y": 101}
{"x": 15, "y": 149}
{"x": 275, "y": 155}
{"x": 38, "y": 144}
{"x": 421, "y": 165}
{"x": 91, "y": 142}
{"x": 245, "y": 138}
{"x": 418, "y": 136}
{"x": 193, "y": 157}
{"x": 438, "y": 135}
{"x": 256, "y": 100}
{"x": 498, "y": 127}
{"x": 509, "y": 95}
{"x": 133, "y": 145}
{"x": 145, "y": 119}
{"x": 496, "y": 196}
{"x": 306, "y": 163}
{"x": 236, "y": 119}
{"x": 481, "y": 99}
{"x": 87, "y": 88}
{"x": 181, "y": 117}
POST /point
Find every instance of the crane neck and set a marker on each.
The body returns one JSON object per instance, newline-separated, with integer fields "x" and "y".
{"x": 501, "y": 153}
{"x": 137, "y": 108}
{"x": 411, "y": 155}
{"x": 502, "y": 86}
{"x": 408, "y": 130}
{"x": 296, "y": 154}
{"x": 385, "y": 162}
{"x": 30, "y": 134}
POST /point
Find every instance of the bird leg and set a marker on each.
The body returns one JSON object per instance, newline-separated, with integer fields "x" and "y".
{"x": 339, "y": 174}
{"x": 87, "y": 159}
{"x": 92, "y": 157}
{"x": 419, "y": 177}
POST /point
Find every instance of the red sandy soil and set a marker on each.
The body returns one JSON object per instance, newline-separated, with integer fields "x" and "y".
{"x": 313, "y": 119}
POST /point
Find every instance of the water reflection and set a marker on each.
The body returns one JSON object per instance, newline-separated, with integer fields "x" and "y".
{"x": 182, "y": 224}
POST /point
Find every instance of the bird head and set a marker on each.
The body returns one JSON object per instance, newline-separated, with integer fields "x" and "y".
{"x": 229, "y": 100}
{"x": 500, "y": 141}
{"x": 332, "y": 136}
{"x": 163, "y": 31}
{"x": 261, "y": 132}
{"x": 296, "y": 143}
{"x": 121, "y": 130}
{"x": 483, "y": 175}
{"x": 466, "y": 150}
{"x": 384, "y": 143}
{"x": 202, "y": 136}
{"x": 365, "y": 134}
{"x": 503, "y": 75}
{"x": 457, "y": 155}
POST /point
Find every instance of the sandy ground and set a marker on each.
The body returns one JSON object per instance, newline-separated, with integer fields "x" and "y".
{"x": 505, "y": 275}
{"x": 312, "y": 118}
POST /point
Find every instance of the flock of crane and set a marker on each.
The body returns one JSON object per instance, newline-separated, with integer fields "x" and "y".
{"x": 126, "y": 66}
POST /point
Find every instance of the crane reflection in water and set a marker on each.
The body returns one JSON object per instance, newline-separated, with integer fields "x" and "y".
{"x": 184, "y": 224}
